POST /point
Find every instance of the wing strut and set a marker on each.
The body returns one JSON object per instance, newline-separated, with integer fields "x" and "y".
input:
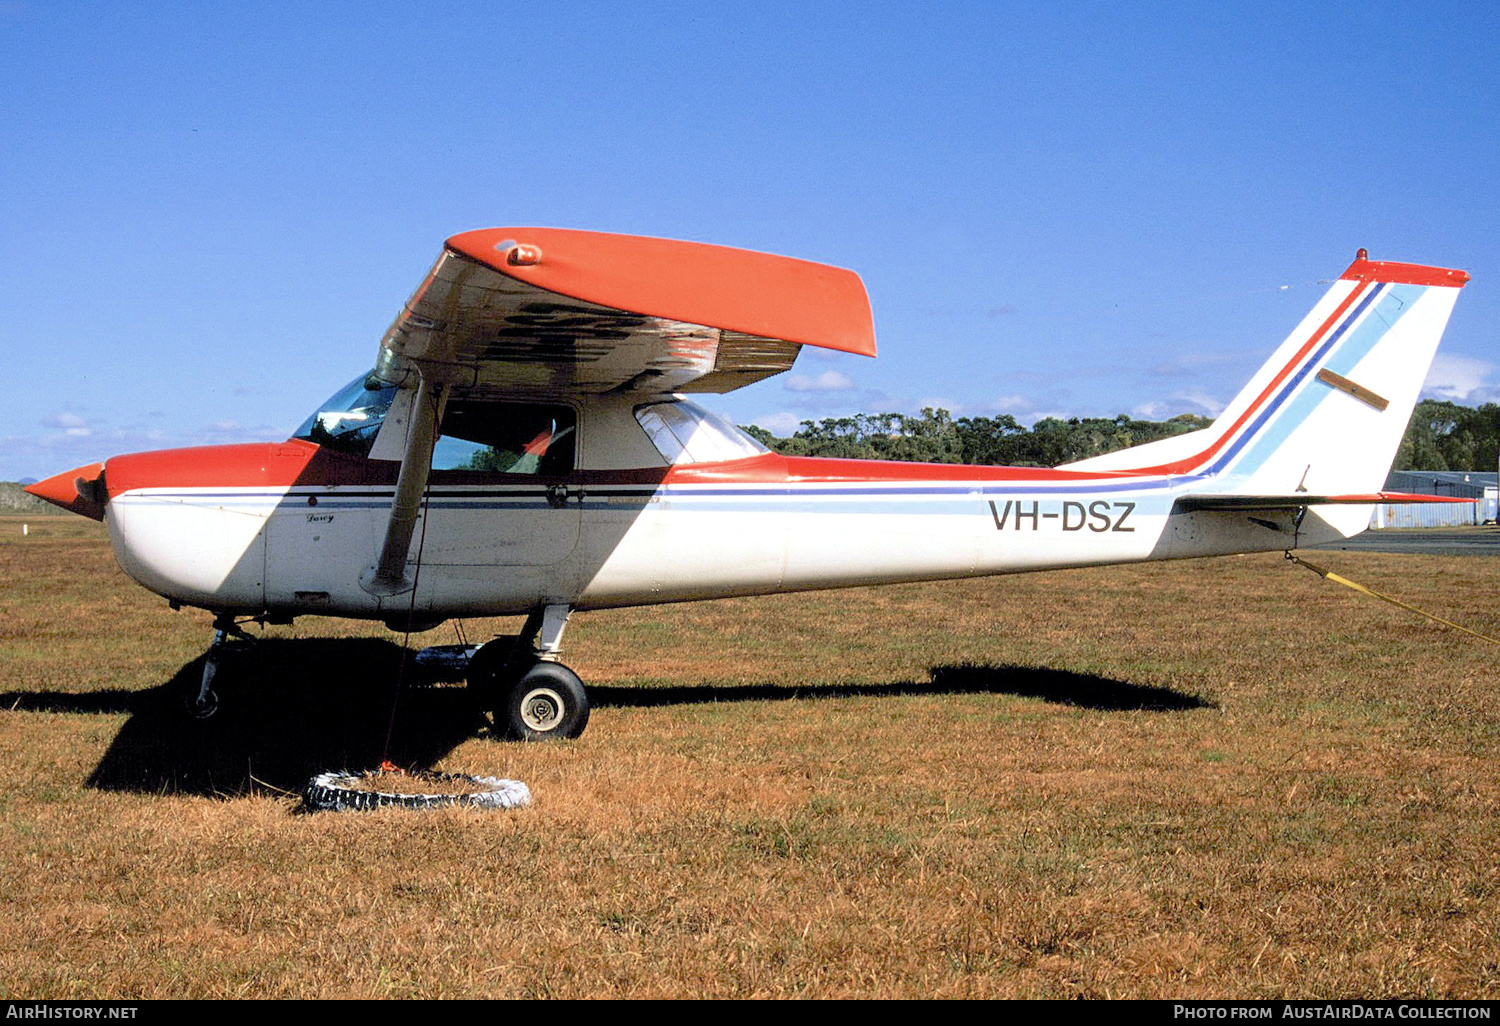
{"x": 388, "y": 575}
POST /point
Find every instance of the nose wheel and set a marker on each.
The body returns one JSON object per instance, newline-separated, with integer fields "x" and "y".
{"x": 203, "y": 703}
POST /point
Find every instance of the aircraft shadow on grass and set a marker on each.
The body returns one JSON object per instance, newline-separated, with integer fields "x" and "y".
{"x": 289, "y": 709}
{"x": 1060, "y": 686}
{"x": 293, "y": 708}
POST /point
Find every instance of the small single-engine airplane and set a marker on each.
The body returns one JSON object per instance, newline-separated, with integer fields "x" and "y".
{"x": 523, "y": 446}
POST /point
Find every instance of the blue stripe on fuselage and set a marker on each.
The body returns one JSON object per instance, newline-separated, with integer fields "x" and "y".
{"x": 907, "y": 498}
{"x": 1395, "y": 302}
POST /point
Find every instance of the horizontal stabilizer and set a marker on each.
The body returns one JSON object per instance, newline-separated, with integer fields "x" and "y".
{"x": 1269, "y": 503}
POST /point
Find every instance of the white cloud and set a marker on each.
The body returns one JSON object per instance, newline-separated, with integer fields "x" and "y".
{"x": 70, "y": 425}
{"x": 1188, "y": 364}
{"x": 1201, "y": 403}
{"x": 828, "y": 381}
{"x": 782, "y": 425}
{"x": 1459, "y": 379}
{"x": 73, "y": 441}
{"x": 1016, "y": 405}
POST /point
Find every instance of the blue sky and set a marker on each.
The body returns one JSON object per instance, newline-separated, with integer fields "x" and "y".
{"x": 208, "y": 216}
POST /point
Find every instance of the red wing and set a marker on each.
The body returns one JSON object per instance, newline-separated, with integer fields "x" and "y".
{"x": 553, "y": 311}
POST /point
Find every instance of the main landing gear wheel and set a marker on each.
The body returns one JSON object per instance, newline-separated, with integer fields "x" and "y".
{"x": 530, "y": 695}
{"x": 549, "y": 701}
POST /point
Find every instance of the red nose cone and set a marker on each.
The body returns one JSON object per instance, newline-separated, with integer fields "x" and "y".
{"x": 80, "y": 490}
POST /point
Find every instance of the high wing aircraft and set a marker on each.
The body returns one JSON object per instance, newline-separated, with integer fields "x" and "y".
{"x": 523, "y": 445}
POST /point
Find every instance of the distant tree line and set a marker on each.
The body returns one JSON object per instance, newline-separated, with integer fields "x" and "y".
{"x": 1441, "y": 436}
{"x": 1446, "y": 436}
{"x": 15, "y": 502}
{"x": 936, "y": 437}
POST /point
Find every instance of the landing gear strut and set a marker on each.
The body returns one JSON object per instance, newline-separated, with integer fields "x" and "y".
{"x": 203, "y": 703}
{"x": 531, "y": 695}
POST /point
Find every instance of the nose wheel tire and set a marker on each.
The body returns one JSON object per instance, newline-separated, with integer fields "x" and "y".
{"x": 201, "y": 701}
{"x": 549, "y": 701}
{"x": 202, "y": 706}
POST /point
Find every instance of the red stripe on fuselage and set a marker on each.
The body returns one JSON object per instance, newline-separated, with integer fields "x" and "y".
{"x": 772, "y": 468}
{"x": 288, "y": 464}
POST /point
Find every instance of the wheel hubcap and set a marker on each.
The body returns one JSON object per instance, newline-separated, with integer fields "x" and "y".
{"x": 542, "y": 709}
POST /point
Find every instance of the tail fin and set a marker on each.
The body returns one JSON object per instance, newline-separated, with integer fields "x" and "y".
{"x": 1325, "y": 415}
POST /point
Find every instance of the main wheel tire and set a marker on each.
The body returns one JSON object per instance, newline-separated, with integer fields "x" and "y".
{"x": 548, "y": 702}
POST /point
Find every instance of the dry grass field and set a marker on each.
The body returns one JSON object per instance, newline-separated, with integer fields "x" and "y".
{"x": 1219, "y": 778}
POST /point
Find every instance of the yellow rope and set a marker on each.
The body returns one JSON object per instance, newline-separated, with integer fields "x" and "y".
{"x": 1329, "y": 575}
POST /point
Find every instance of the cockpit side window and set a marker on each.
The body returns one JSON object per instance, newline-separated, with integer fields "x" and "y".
{"x": 684, "y": 432}
{"x": 507, "y": 438}
{"x": 349, "y": 421}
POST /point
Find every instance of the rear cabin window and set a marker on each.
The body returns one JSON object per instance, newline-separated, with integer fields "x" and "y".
{"x": 684, "y": 432}
{"x": 507, "y": 438}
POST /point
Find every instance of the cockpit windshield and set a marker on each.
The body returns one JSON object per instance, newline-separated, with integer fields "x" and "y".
{"x": 350, "y": 420}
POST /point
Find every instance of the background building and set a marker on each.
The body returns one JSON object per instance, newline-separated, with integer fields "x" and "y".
{"x": 1464, "y": 484}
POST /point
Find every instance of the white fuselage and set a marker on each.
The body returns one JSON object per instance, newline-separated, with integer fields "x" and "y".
{"x": 632, "y": 535}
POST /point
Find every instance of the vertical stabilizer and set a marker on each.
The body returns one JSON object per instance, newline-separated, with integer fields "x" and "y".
{"x": 1326, "y": 414}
